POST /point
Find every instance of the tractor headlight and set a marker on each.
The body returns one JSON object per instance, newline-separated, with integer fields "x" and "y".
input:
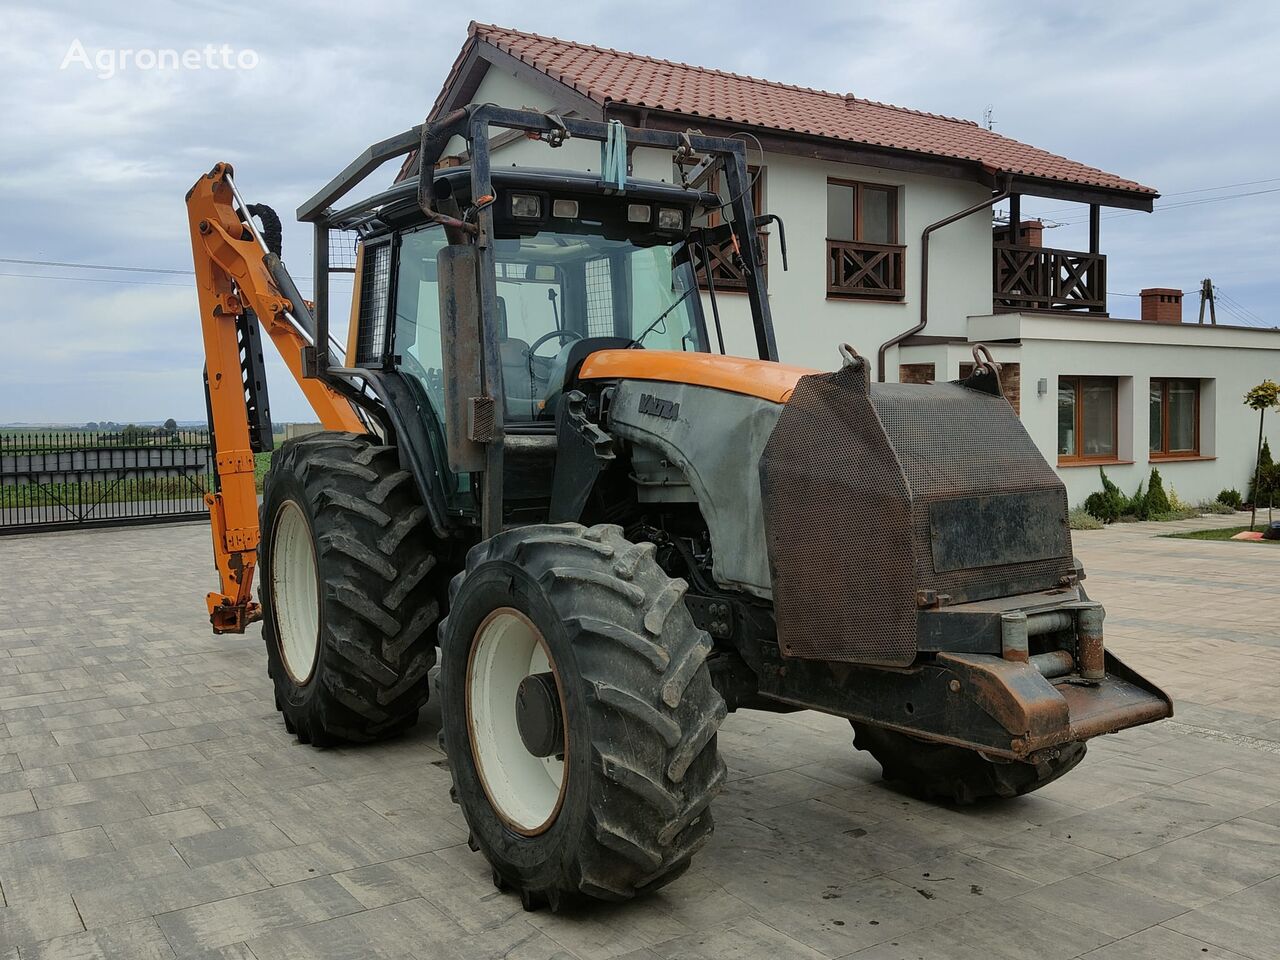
{"x": 639, "y": 212}
{"x": 526, "y": 207}
{"x": 567, "y": 209}
{"x": 670, "y": 218}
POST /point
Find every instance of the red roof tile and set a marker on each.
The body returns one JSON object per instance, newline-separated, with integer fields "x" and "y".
{"x": 606, "y": 75}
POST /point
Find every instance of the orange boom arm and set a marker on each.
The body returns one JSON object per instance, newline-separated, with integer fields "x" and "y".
{"x": 232, "y": 277}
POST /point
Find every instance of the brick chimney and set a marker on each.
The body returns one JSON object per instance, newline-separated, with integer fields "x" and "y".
{"x": 1030, "y": 233}
{"x": 1161, "y": 305}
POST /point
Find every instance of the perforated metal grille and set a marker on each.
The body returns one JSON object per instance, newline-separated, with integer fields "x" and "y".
{"x": 848, "y": 478}
{"x": 371, "y": 338}
{"x": 599, "y": 298}
{"x": 342, "y": 251}
{"x": 983, "y": 451}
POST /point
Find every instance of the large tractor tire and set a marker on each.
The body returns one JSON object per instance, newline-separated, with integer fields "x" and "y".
{"x": 579, "y": 716}
{"x": 939, "y": 771}
{"x": 348, "y": 588}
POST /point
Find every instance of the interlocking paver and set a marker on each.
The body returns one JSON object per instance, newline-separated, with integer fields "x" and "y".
{"x": 255, "y": 914}
{"x": 231, "y": 843}
{"x": 136, "y": 940}
{"x": 1247, "y": 920}
{"x": 89, "y": 871}
{"x": 25, "y": 924}
{"x": 147, "y": 785}
{"x": 175, "y": 890}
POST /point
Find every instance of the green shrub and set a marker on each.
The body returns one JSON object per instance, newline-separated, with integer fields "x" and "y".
{"x": 1260, "y": 489}
{"x": 1216, "y": 506}
{"x": 1185, "y": 513}
{"x": 1230, "y": 498}
{"x": 1101, "y": 507}
{"x": 1137, "y": 507}
{"x": 1080, "y": 518}
{"x": 1157, "y": 500}
{"x": 1109, "y": 503}
{"x": 1178, "y": 505}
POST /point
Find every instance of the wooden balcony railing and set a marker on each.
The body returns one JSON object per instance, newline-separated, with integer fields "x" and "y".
{"x": 726, "y": 268}
{"x": 857, "y": 269}
{"x": 1041, "y": 278}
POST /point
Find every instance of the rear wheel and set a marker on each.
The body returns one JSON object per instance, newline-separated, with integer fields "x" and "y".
{"x": 939, "y": 771}
{"x": 579, "y": 716}
{"x": 348, "y": 589}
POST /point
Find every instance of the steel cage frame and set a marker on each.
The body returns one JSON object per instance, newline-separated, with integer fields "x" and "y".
{"x": 473, "y": 124}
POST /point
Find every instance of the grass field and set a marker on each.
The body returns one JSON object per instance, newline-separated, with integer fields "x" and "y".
{"x": 1224, "y": 533}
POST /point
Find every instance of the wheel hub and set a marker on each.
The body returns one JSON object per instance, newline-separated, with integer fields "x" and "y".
{"x": 515, "y": 721}
{"x": 538, "y": 715}
{"x": 295, "y": 592}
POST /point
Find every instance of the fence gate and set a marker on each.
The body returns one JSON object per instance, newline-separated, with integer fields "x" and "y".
{"x": 69, "y": 479}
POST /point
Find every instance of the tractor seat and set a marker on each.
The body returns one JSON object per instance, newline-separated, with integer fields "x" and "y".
{"x": 522, "y": 386}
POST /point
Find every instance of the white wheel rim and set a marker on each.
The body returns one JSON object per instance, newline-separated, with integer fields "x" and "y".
{"x": 295, "y": 598}
{"x": 525, "y": 791}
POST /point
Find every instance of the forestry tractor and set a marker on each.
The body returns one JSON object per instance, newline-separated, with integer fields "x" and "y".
{"x": 535, "y": 462}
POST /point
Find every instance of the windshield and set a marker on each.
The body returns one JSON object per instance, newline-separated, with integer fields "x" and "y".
{"x": 554, "y": 288}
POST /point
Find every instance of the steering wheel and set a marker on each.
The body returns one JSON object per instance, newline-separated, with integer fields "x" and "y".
{"x": 562, "y": 334}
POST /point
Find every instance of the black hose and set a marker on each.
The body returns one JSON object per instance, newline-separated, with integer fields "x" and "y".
{"x": 272, "y": 230}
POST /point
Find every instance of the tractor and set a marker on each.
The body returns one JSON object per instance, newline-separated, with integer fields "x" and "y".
{"x": 542, "y": 483}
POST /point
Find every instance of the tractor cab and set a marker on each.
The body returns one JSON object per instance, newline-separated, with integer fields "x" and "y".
{"x": 481, "y": 291}
{"x": 575, "y": 269}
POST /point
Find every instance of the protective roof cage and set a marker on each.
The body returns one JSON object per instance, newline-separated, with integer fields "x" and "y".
{"x": 473, "y": 124}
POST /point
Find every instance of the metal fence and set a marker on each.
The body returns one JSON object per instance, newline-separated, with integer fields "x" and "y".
{"x": 53, "y": 480}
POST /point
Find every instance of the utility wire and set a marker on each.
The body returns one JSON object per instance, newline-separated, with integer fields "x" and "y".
{"x": 1182, "y": 193}
{"x": 94, "y": 266}
{"x": 117, "y": 268}
{"x": 136, "y": 283}
{"x": 1173, "y": 206}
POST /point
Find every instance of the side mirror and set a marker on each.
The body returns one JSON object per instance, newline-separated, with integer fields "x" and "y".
{"x": 468, "y": 412}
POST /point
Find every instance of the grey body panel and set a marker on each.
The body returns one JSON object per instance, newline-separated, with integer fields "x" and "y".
{"x": 703, "y": 445}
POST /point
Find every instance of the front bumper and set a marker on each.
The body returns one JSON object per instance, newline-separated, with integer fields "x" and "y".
{"x": 1012, "y": 678}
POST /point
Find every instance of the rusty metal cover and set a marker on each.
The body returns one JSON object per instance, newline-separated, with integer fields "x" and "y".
{"x": 864, "y": 485}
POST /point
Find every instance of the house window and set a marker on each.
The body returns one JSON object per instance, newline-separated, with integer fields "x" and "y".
{"x": 1175, "y": 417}
{"x": 865, "y": 212}
{"x": 864, "y": 258}
{"x": 1087, "y": 418}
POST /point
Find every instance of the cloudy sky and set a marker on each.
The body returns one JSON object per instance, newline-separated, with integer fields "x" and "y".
{"x": 93, "y": 168}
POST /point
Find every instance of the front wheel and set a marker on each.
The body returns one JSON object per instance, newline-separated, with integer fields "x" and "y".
{"x": 940, "y": 771}
{"x": 579, "y": 716}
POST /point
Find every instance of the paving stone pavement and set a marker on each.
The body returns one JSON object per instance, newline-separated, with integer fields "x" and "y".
{"x": 152, "y": 805}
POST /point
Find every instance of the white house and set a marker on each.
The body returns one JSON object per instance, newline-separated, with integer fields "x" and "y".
{"x": 863, "y": 189}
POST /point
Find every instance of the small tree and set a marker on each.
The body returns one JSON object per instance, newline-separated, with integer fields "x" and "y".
{"x": 1157, "y": 500}
{"x": 1109, "y": 503}
{"x": 1264, "y": 395}
{"x": 171, "y": 425}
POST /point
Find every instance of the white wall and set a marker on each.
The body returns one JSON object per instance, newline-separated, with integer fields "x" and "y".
{"x": 809, "y": 326}
{"x": 1227, "y": 361}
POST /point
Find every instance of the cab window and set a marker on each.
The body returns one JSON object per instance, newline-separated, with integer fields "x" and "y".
{"x": 554, "y": 288}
